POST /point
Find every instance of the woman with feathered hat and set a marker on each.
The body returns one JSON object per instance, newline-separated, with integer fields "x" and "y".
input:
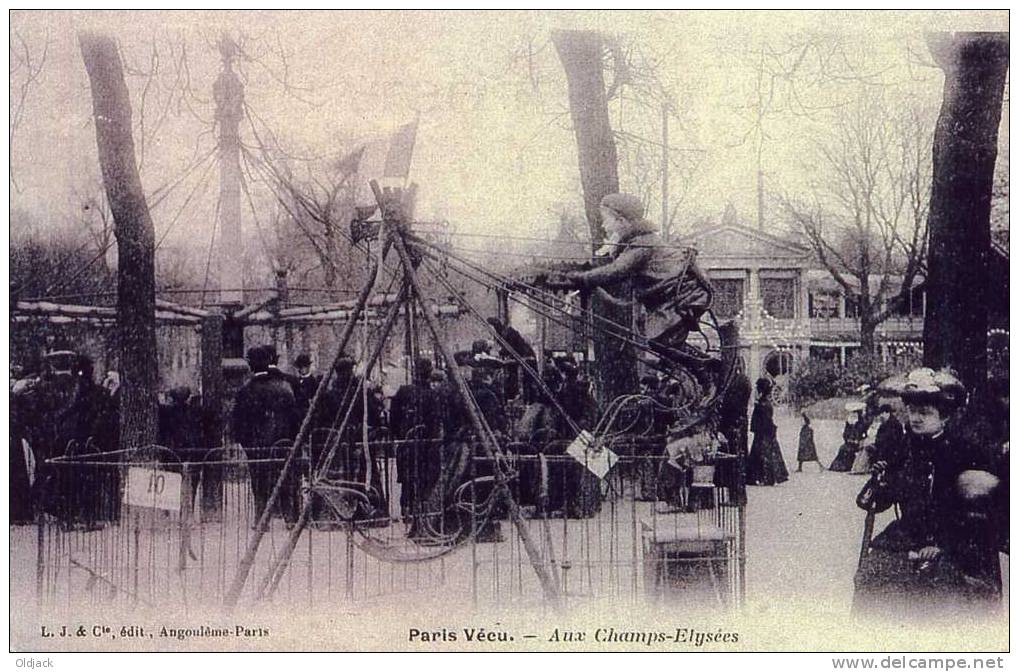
{"x": 940, "y": 555}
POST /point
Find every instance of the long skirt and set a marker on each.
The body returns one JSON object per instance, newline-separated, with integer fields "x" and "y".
{"x": 890, "y": 584}
{"x": 765, "y": 464}
{"x": 844, "y": 460}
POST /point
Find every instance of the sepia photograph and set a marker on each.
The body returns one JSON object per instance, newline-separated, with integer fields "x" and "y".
{"x": 510, "y": 331}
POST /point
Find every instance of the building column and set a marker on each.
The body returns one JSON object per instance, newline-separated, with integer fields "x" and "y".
{"x": 754, "y": 363}
{"x": 801, "y": 284}
{"x": 754, "y": 300}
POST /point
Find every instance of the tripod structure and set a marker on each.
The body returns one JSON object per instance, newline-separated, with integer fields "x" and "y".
{"x": 413, "y": 254}
{"x": 395, "y": 206}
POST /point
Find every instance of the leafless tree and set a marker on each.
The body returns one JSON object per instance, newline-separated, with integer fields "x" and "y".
{"x": 136, "y": 309}
{"x": 26, "y": 66}
{"x": 965, "y": 149}
{"x": 866, "y": 218}
{"x": 314, "y": 199}
{"x": 790, "y": 76}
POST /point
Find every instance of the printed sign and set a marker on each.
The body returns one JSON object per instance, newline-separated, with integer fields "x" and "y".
{"x": 153, "y": 488}
{"x": 598, "y": 461}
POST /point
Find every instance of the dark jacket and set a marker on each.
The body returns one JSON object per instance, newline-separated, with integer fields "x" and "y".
{"x": 889, "y": 444}
{"x": 304, "y": 389}
{"x": 854, "y": 432}
{"x": 334, "y": 403}
{"x": 578, "y": 403}
{"x": 762, "y": 421}
{"x": 416, "y": 406}
{"x": 180, "y": 429}
{"x": 924, "y": 486}
{"x": 732, "y": 415}
{"x": 491, "y": 407}
{"x": 265, "y": 411}
{"x": 658, "y": 274}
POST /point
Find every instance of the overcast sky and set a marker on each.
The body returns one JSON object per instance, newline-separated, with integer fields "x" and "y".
{"x": 494, "y": 149}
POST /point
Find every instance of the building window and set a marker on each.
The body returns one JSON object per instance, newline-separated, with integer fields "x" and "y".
{"x": 778, "y": 296}
{"x": 824, "y": 304}
{"x": 822, "y": 353}
{"x": 916, "y": 301}
{"x": 912, "y": 306}
{"x": 727, "y": 300}
{"x": 778, "y": 363}
{"x": 852, "y": 307}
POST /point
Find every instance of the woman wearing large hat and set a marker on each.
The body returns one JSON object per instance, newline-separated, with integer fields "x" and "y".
{"x": 940, "y": 554}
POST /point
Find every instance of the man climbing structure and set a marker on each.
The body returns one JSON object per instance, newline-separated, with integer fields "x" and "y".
{"x": 664, "y": 279}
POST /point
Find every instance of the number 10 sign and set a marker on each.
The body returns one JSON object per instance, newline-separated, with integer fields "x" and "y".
{"x": 153, "y": 488}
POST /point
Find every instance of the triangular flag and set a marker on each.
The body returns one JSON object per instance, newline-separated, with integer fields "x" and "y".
{"x": 401, "y": 149}
{"x": 349, "y": 164}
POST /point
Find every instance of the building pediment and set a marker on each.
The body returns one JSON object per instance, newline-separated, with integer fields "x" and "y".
{"x": 731, "y": 243}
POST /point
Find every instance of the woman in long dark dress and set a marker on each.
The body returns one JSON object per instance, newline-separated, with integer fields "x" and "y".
{"x": 765, "y": 465}
{"x": 807, "y": 451}
{"x": 852, "y": 437}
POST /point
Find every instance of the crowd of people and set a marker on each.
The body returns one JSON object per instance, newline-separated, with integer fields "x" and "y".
{"x": 937, "y": 456}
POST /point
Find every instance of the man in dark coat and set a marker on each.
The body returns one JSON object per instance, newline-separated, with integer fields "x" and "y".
{"x": 305, "y": 383}
{"x": 482, "y": 387}
{"x": 733, "y": 423}
{"x": 264, "y": 415}
{"x": 179, "y": 424}
{"x": 580, "y": 488}
{"x": 350, "y": 462}
{"x": 416, "y": 415}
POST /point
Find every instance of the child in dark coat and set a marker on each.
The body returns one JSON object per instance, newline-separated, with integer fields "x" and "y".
{"x": 807, "y": 451}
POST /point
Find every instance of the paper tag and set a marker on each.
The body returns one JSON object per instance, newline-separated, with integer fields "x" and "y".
{"x": 599, "y": 462}
{"x": 153, "y": 488}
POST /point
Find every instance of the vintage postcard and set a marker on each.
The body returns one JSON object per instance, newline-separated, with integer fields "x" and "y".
{"x": 509, "y": 331}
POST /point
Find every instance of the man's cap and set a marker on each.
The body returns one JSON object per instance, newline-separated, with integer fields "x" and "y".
{"x": 628, "y": 206}
{"x": 302, "y": 360}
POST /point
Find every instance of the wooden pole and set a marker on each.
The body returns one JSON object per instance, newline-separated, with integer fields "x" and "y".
{"x": 488, "y": 443}
{"x": 666, "y": 234}
{"x": 275, "y": 573}
{"x": 213, "y": 425}
{"x": 234, "y": 592}
{"x": 228, "y": 92}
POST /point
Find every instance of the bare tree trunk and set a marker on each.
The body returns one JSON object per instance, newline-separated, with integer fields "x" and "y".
{"x": 581, "y": 55}
{"x": 867, "y": 330}
{"x": 965, "y": 149}
{"x": 136, "y": 297}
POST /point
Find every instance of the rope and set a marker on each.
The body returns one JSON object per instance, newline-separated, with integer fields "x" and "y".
{"x": 506, "y": 347}
{"x": 208, "y": 259}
